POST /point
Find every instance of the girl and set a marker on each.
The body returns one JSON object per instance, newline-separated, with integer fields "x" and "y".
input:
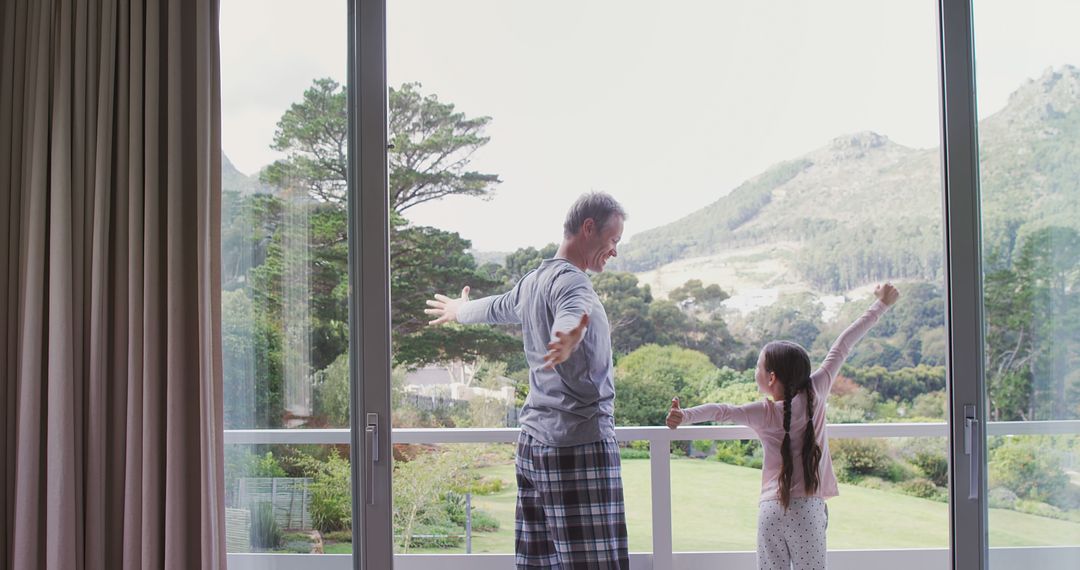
{"x": 795, "y": 478}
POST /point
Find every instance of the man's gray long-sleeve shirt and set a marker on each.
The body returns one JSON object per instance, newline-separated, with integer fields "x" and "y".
{"x": 574, "y": 403}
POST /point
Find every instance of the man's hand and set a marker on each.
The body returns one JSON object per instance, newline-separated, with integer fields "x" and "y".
{"x": 445, "y": 309}
{"x": 887, "y": 293}
{"x": 675, "y": 414}
{"x": 565, "y": 343}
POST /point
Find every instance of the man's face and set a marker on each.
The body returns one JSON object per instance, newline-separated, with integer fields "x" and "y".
{"x": 602, "y": 245}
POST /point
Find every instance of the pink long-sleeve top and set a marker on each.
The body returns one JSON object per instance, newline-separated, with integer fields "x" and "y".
{"x": 766, "y": 418}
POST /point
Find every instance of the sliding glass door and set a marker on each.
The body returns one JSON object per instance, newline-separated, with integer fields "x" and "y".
{"x": 1028, "y": 80}
{"x": 776, "y": 161}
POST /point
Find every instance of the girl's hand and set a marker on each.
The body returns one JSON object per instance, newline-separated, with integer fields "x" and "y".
{"x": 887, "y": 293}
{"x": 675, "y": 414}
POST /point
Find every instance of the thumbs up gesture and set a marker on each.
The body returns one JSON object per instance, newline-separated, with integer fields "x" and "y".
{"x": 675, "y": 414}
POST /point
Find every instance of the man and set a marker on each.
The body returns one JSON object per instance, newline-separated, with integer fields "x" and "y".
{"x": 570, "y": 509}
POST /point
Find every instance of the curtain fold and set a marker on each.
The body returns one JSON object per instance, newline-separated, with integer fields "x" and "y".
{"x": 110, "y": 350}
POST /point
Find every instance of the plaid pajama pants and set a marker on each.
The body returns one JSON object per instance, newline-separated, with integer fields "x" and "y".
{"x": 570, "y": 509}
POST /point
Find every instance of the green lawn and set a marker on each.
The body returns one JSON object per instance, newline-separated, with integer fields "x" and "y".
{"x": 715, "y": 508}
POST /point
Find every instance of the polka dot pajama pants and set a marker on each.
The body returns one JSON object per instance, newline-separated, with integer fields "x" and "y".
{"x": 792, "y": 540}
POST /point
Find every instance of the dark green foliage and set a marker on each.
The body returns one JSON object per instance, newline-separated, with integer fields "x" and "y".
{"x": 904, "y": 384}
{"x": 837, "y": 261}
{"x": 627, "y": 306}
{"x": 522, "y": 261}
{"x": 426, "y": 261}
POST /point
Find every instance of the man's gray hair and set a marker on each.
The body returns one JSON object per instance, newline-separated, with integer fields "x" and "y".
{"x": 599, "y": 206}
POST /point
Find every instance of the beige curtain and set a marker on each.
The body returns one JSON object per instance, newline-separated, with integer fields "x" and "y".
{"x": 110, "y": 356}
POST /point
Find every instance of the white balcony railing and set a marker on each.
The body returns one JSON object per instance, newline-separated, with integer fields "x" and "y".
{"x": 662, "y": 556}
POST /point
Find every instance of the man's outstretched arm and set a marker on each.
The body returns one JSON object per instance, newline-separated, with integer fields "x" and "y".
{"x": 493, "y": 310}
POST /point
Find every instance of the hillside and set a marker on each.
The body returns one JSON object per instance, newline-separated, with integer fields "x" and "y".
{"x": 232, "y": 180}
{"x": 863, "y": 208}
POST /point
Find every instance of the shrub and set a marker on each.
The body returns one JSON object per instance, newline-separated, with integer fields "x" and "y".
{"x": 929, "y": 405}
{"x": 631, "y": 453}
{"x": 484, "y": 522}
{"x": 1029, "y": 472}
{"x": 1070, "y": 498}
{"x": 456, "y": 512}
{"x": 240, "y": 462}
{"x": 455, "y": 507}
{"x": 1002, "y": 498}
{"x": 898, "y": 471}
{"x": 922, "y": 488}
{"x": 331, "y": 506}
{"x": 1039, "y": 509}
{"x": 857, "y": 458}
{"x": 742, "y": 453}
{"x": 265, "y": 533}
{"x": 935, "y": 466}
{"x": 702, "y": 446}
{"x": 873, "y": 482}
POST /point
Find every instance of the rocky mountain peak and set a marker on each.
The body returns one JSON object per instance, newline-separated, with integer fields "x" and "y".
{"x": 1052, "y": 94}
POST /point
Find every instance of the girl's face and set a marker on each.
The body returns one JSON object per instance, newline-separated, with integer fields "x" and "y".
{"x": 767, "y": 382}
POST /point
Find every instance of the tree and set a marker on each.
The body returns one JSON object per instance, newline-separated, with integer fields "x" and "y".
{"x": 331, "y": 503}
{"x": 420, "y": 486}
{"x": 627, "y": 307}
{"x": 426, "y": 260}
{"x": 522, "y": 261}
{"x": 252, "y": 374}
{"x": 331, "y": 393}
{"x": 1031, "y": 302}
{"x": 314, "y": 134}
{"x": 694, "y": 293}
{"x": 432, "y": 145}
{"x": 1029, "y": 470}
{"x": 647, "y": 379}
{"x": 793, "y": 317}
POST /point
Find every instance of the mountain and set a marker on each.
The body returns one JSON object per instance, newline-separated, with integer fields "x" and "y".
{"x": 232, "y": 180}
{"x": 864, "y": 208}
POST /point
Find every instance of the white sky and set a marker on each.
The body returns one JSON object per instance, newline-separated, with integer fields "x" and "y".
{"x": 667, "y": 105}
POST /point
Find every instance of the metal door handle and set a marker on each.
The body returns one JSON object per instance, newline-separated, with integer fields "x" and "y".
{"x": 371, "y": 443}
{"x": 971, "y": 449}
